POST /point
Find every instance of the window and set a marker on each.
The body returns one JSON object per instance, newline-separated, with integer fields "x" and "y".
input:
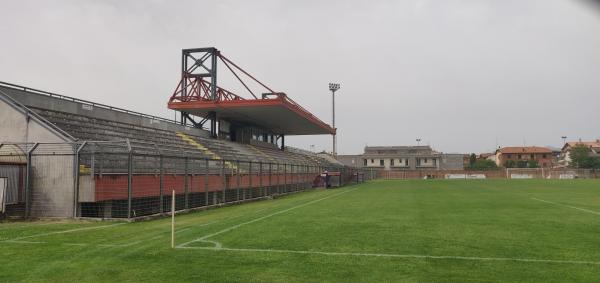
{"x": 543, "y": 155}
{"x": 519, "y": 156}
{"x": 531, "y": 156}
{"x": 392, "y": 162}
{"x": 372, "y": 161}
{"x": 365, "y": 162}
{"x": 380, "y": 162}
{"x": 508, "y": 156}
{"x": 406, "y": 161}
{"x": 425, "y": 161}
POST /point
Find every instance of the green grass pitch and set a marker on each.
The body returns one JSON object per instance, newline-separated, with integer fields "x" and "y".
{"x": 416, "y": 230}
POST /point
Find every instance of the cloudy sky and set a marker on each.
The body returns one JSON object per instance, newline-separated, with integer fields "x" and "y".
{"x": 464, "y": 76}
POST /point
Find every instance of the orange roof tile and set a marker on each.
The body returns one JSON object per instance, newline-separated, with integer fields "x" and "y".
{"x": 524, "y": 149}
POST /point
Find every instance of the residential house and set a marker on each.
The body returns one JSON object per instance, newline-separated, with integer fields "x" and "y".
{"x": 525, "y": 155}
{"x": 565, "y": 155}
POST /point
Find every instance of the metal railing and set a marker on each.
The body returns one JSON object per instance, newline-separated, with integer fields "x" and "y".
{"x": 113, "y": 180}
{"x": 86, "y": 102}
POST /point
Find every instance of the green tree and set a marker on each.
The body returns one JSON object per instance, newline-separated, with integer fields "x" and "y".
{"x": 522, "y": 164}
{"x": 580, "y": 158}
{"x": 484, "y": 164}
{"x": 533, "y": 164}
{"x": 509, "y": 164}
{"x": 472, "y": 159}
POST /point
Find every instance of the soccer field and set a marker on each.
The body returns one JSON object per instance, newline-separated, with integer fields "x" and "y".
{"x": 404, "y": 230}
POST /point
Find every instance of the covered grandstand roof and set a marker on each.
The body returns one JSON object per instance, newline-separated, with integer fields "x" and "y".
{"x": 198, "y": 94}
{"x": 114, "y": 129}
{"x": 279, "y": 114}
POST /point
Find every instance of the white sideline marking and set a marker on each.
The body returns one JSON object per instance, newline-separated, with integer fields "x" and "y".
{"x": 569, "y": 206}
{"x": 473, "y": 258}
{"x": 119, "y": 245}
{"x": 65, "y": 231}
{"x": 23, "y": 242}
{"x": 75, "y": 244}
{"x": 203, "y": 239}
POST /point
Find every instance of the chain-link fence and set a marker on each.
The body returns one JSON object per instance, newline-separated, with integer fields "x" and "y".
{"x": 504, "y": 173}
{"x": 119, "y": 179}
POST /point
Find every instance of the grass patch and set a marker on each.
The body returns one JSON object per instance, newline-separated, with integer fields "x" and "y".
{"x": 423, "y": 230}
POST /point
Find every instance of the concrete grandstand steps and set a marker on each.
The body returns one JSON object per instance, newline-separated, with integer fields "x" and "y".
{"x": 146, "y": 139}
{"x": 282, "y": 156}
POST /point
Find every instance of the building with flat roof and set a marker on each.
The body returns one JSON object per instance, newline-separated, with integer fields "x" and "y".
{"x": 403, "y": 158}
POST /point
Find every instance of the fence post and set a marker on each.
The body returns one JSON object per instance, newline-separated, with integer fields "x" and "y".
{"x": 278, "y": 189}
{"x": 186, "y": 183}
{"x": 161, "y": 182}
{"x": 206, "y": 182}
{"x": 224, "y": 181}
{"x": 129, "y": 183}
{"x": 76, "y": 191}
{"x": 238, "y": 179}
{"x": 285, "y": 189}
{"x": 270, "y": 192}
{"x": 28, "y": 181}
{"x": 260, "y": 182}
{"x": 250, "y": 191}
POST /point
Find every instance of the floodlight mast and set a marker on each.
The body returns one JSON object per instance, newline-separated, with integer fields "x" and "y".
{"x": 333, "y": 87}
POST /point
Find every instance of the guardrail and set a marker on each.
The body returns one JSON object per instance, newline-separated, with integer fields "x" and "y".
{"x": 86, "y": 102}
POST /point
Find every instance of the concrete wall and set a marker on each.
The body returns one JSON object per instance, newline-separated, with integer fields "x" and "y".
{"x": 443, "y": 161}
{"x": 351, "y": 160}
{"x": 51, "y": 186}
{"x": 427, "y": 161}
{"x": 15, "y": 126}
{"x": 452, "y": 162}
{"x": 53, "y": 103}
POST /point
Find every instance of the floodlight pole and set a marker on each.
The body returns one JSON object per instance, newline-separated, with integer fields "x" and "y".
{"x": 333, "y": 87}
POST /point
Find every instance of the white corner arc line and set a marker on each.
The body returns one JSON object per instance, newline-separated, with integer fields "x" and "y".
{"x": 262, "y": 218}
{"x": 569, "y": 206}
{"x": 414, "y": 256}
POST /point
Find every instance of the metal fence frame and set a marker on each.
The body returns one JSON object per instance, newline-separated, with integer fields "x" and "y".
{"x": 139, "y": 183}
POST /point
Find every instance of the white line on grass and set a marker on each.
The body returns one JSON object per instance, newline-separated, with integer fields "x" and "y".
{"x": 119, "y": 245}
{"x": 203, "y": 239}
{"x": 65, "y": 231}
{"x": 569, "y": 206}
{"x": 23, "y": 242}
{"x": 473, "y": 258}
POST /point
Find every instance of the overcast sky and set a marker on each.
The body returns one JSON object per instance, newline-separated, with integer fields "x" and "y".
{"x": 464, "y": 76}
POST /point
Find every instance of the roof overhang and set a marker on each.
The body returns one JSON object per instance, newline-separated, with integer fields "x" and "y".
{"x": 279, "y": 114}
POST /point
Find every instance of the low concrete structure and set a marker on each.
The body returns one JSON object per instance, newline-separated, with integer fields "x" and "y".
{"x": 403, "y": 158}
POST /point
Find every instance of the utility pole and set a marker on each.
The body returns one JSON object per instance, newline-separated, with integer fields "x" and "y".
{"x": 333, "y": 87}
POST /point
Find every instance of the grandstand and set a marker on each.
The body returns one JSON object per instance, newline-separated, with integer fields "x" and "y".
{"x": 76, "y": 158}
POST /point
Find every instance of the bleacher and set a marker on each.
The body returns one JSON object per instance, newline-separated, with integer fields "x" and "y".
{"x": 150, "y": 140}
